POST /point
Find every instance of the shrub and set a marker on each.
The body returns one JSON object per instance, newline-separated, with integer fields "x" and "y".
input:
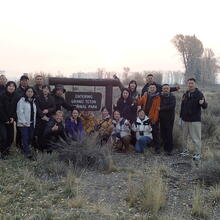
{"x": 86, "y": 153}
{"x": 209, "y": 171}
{"x": 198, "y": 209}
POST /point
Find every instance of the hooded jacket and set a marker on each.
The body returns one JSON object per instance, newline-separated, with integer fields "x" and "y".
{"x": 190, "y": 107}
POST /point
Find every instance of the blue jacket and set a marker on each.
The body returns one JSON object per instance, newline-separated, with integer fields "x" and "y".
{"x": 74, "y": 129}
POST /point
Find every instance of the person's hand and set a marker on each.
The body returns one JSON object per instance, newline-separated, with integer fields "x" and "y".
{"x": 55, "y": 127}
{"x": 11, "y": 120}
{"x": 7, "y": 122}
{"x": 45, "y": 118}
{"x": 201, "y": 101}
{"x": 158, "y": 109}
{"x": 178, "y": 87}
{"x": 45, "y": 111}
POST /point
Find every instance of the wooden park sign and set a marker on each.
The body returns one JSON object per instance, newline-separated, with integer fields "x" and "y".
{"x": 107, "y": 83}
{"x": 90, "y": 101}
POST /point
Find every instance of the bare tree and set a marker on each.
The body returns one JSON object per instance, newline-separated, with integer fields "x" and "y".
{"x": 191, "y": 50}
{"x": 209, "y": 67}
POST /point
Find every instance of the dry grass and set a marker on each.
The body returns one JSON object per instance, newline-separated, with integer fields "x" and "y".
{"x": 151, "y": 196}
{"x": 215, "y": 194}
{"x": 198, "y": 204}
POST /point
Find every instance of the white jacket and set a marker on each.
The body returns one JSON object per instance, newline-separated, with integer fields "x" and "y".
{"x": 24, "y": 113}
{"x": 122, "y": 127}
{"x": 142, "y": 126}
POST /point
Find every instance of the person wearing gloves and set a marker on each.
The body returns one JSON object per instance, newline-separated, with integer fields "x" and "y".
{"x": 142, "y": 128}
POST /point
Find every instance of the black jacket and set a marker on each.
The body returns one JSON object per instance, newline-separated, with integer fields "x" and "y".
{"x": 49, "y": 104}
{"x": 61, "y": 102}
{"x": 167, "y": 106}
{"x": 2, "y": 89}
{"x": 53, "y": 136}
{"x": 190, "y": 107}
{"x": 158, "y": 86}
{"x": 20, "y": 92}
{"x": 126, "y": 108}
{"x": 8, "y": 104}
{"x": 38, "y": 91}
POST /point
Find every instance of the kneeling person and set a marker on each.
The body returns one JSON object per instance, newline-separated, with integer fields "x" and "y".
{"x": 143, "y": 129}
{"x": 121, "y": 132}
{"x": 54, "y": 130}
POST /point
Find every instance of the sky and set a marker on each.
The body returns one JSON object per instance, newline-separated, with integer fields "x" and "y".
{"x": 84, "y": 35}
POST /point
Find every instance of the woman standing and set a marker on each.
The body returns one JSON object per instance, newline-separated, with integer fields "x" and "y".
{"x": 26, "y": 113}
{"x": 126, "y": 106}
{"x": 8, "y": 102}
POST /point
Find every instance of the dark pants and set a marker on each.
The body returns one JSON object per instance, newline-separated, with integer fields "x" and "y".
{"x": 6, "y": 137}
{"x": 18, "y": 138}
{"x": 166, "y": 131}
{"x": 27, "y": 134}
{"x": 39, "y": 131}
{"x": 156, "y": 136}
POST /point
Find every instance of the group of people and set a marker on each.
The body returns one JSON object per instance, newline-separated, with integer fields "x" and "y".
{"x": 139, "y": 120}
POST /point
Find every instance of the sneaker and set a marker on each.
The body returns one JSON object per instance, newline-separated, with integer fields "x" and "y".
{"x": 196, "y": 157}
{"x": 184, "y": 153}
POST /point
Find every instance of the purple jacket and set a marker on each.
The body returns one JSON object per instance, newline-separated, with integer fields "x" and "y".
{"x": 73, "y": 129}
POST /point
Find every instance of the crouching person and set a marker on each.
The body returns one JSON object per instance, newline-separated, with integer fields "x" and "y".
{"x": 54, "y": 130}
{"x": 104, "y": 127}
{"x": 121, "y": 133}
{"x": 74, "y": 126}
{"x": 142, "y": 128}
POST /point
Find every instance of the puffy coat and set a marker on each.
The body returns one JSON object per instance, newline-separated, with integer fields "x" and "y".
{"x": 142, "y": 127}
{"x": 121, "y": 127}
{"x": 154, "y": 105}
{"x": 24, "y": 113}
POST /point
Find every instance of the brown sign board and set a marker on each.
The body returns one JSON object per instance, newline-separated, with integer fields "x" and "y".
{"x": 90, "y": 101}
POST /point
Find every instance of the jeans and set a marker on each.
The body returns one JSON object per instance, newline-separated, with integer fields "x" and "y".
{"x": 27, "y": 134}
{"x": 142, "y": 143}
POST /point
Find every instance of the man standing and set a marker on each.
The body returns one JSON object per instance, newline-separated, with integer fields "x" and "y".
{"x": 3, "y": 82}
{"x": 167, "y": 116}
{"x": 24, "y": 80}
{"x": 150, "y": 102}
{"x": 192, "y": 102}
{"x": 150, "y": 81}
{"x": 38, "y": 87}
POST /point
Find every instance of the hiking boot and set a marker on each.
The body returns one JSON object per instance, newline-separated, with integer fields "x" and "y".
{"x": 196, "y": 157}
{"x": 184, "y": 153}
{"x": 168, "y": 154}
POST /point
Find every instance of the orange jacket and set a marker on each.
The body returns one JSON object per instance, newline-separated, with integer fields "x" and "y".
{"x": 154, "y": 110}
